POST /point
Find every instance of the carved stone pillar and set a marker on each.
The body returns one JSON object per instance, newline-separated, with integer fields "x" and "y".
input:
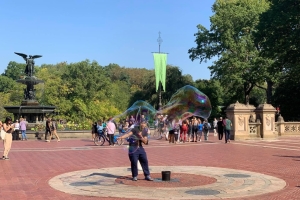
{"x": 266, "y": 113}
{"x": 239, "y": 114}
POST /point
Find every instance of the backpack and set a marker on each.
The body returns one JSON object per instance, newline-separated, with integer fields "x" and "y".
{"x": 205, "y": 127}
{"x": 99, "y": 129}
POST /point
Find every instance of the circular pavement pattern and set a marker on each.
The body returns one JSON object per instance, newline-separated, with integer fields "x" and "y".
{"x": 230, "y": 183}
{"x": 177, "y": 180}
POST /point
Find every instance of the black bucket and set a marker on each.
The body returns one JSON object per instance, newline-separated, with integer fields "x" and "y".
{"x": 166, "y": 175}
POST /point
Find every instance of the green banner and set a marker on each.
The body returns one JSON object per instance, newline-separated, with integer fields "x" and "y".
{"x": 160, "y": 63}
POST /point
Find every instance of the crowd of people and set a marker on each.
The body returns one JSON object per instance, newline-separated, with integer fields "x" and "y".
{"x": 191, "y": 129}
{"x": 110, "y": 127}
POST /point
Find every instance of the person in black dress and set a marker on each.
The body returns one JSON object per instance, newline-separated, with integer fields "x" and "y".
{"x": 220, "y": 128}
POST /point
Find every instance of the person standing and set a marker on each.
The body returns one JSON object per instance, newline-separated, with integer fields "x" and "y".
{"x": 137, "y": 152}
{"x": 166, "y": 127}
{"x": 54, "y": 130}
{"x": 224, "y": 125}
{"x": 100, "y": 128}
{"x": 215, "y": 126}
{"x": 176, "y": 130}
{"x": 132, "y": 119}
{"x": 104, "y": 124}
{"x": 8, "y": 127}
{"x": 143, "y": 119}
{"x": 227, "y": 129}
{"x": 220, "y": 128}
{"x": 200, "y": 131}
{"x": 195, "y": 129}
{"x": 23, "y": 125}
{"x": 94, "y": 130}
{"x": 190, "y": 131}
{"x": 16, "y": 130}
{"x": 111, "y": 128}
{"x": 184, "y": 131}
{"x": 161, "y": 126}
{"x": 206, "y": 127}
{"x": 48, "y": 130}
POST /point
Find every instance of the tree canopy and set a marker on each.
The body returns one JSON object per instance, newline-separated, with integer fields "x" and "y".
{"x": 230, "y": 40}
{"x": 279, "y": 30}
{"x": 87, "y": 91}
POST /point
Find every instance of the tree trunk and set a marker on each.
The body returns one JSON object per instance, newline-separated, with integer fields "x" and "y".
{"x": 269, "y": 91}
{"x": 247, "y": 89}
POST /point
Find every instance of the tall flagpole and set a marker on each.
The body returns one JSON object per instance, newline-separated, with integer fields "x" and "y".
{"x": 159, "y": 40}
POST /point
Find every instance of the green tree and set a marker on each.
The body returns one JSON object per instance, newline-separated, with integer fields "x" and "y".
{"x": 278, "y": 38}
{"x": 174, "y": 81}
{"x": 215, "y": 93}
{"x": 287, "y": 94}
{"x": 4, "y": 100}
{"x": 14, "y": 70}
{"x": 230, "y": 40}
{"x": 278, "y": 32}
{"x": 7, "y": 84}
{"x": 86, "y": 81}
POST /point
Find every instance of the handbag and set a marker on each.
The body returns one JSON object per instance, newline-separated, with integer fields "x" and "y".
{"x": 2, "y": 135}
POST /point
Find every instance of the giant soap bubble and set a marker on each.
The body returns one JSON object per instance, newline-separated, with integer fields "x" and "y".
{"x": 186, "y": 102}
{"x": 137, "y": 109}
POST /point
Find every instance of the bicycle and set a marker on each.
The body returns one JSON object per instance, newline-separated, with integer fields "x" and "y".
{"x": 101, "y": 137}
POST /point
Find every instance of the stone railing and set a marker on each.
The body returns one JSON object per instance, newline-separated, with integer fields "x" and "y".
{"x": 287, "y": 128}
{"x": 254, "y": 130}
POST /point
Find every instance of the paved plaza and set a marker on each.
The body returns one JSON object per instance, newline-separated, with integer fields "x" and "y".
{"x": 77, "y": 169}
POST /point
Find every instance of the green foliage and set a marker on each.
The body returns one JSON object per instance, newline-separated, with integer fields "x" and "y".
{"x": 14, "y": 70}
{"x": 230, "y": 38}
{"x": 215, "y": 92}
{"x": 7, "y": 84}
{"x": 257, "y": 97}
{"x": 279, "y": 30}
{"x": 174, "y": 81}
{"x": 4, "y": 100}
{"x": 287, "y": 94}
{"x": 85, "y": 96}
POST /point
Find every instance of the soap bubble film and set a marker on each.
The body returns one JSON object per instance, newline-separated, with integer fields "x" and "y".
{"x": 188, "y": 101}
{"x": 136, "y": 110}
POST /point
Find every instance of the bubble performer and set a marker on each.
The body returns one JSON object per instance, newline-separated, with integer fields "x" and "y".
{"x": 136, "y": 152}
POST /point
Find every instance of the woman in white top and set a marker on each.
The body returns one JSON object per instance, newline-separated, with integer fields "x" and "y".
{"x": 16, "y": 130}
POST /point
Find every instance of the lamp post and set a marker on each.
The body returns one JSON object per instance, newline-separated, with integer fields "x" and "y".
{"x": 159, "y": 40}
{"x": 160, "y": 62}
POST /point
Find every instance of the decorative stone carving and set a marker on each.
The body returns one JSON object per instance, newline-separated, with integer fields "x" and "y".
{"x": 252, "y": 129}
{"x": 268, "y": 120}
{"x": 251, "y": 119}
{"x": 240, "y": 107}
{"x": 241, "y": 120}
{"x": 280, "y": 119}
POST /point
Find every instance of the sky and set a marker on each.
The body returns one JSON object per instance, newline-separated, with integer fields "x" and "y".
{"x": 123, "y": 32}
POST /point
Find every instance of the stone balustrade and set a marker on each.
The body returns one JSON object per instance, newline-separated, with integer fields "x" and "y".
{"x": 287, "y": 128}
{"x": 250, "y": 122}
{"x": 254, "y": 130}
{"x": 258, "y": 123}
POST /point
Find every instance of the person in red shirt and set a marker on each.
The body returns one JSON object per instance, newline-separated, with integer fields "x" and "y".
{"x": 184, "y": 129}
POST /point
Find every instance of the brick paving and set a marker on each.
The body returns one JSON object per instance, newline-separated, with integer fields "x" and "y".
{"x": 33, "y": 163}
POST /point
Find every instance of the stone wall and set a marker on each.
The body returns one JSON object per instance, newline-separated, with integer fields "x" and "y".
{"x": 252, "y": 123}
{"x": 287, "y": 128}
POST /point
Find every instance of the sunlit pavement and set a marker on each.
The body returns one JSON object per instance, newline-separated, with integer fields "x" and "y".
{"x": 240, "y": 170}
